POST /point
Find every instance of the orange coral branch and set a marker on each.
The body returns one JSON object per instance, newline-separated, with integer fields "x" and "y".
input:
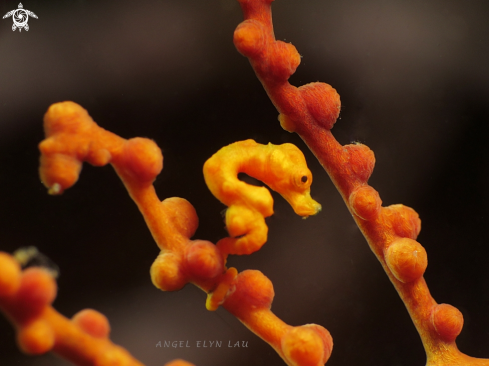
{"x": 26, "y": 297}
{"x": 179, "y": 363}
{"x": 73, "y": 137}
{"x": 311, "y": 110}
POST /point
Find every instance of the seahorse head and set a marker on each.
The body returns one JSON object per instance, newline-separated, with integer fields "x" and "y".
{"x": 292, "y": 179}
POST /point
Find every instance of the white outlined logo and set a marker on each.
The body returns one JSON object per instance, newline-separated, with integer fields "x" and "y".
{"x": 20, "y": 17}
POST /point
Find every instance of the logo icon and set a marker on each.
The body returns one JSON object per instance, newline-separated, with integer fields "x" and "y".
{"x": 20, "y": 17}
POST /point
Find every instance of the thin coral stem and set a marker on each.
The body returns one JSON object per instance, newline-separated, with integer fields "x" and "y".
{"x": 26, "y": 297}
{"x": 72, "y": 137}
{"x": 311, "y": 111}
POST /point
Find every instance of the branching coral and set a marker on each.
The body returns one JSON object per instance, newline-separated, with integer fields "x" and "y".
{"x": 72, "y": 138}
{"x": 26, "y": 297}
{"x": 311, "y": 111}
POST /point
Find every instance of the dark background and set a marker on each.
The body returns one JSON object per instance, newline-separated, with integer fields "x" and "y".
{"x": 414, "y": 81}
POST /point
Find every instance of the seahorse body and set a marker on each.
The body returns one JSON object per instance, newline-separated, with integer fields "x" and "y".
{"x": 283, "y": 168}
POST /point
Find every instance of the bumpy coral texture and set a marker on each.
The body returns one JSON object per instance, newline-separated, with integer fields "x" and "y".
{"x": 26, "y": 298}
{"x": 311, "y": 110}
{"x": 72, "y": 137}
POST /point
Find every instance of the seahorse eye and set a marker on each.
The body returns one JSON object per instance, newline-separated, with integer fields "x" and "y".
{"x": 304, "y": 179}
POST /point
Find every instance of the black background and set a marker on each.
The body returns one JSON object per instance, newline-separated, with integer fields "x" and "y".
{"x": 414, "y": 81}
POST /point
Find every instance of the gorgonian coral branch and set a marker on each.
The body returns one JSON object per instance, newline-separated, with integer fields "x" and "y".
{"x": 311, "y": 111}
{"x": 72, "y": 137}
{"x": 26, "y": 297}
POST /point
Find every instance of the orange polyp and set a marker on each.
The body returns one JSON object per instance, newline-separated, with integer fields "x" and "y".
{"x": 92, "y": 322}
{"x": 253, "y": 290}
{"x": 66, "y": 117}
{"x": 407, "y": 259}
{"x": 285, "y": 62}
{"x": 37, "y": 289}
{"x": 182, "y": 214}
{"x": 179, "y": 363}
{"x": 323, "y": 102}
{"x": 404, "y": 220}
{"x": 36, "y": 338}
{"x": 447, "y": 321}
{"x": 143, "y": 159}
{"x": 249, "y": 38}
{"x": 365, "y": 202}
{"x": 359, "y": 163}
{"x": 11, "y": 278}
{"x": 61, "y": 170}
{"x": 204, "y": 260}
{"x": 167, "y": 273}
{"x": 308, "y": 345}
